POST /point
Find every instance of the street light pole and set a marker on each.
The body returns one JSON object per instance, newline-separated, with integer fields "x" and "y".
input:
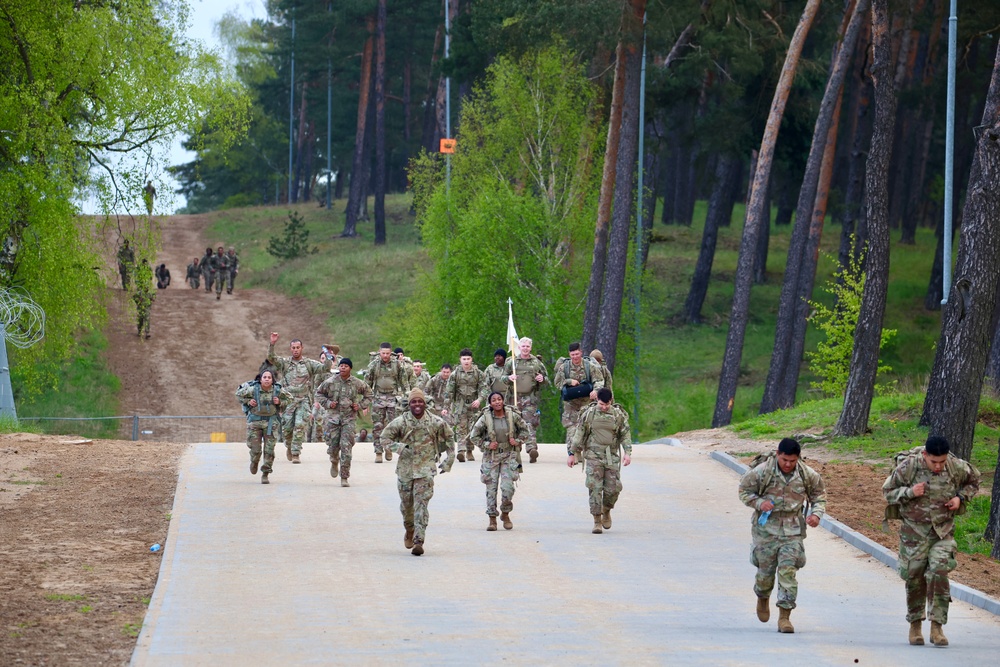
{"x": 949, "y": 153}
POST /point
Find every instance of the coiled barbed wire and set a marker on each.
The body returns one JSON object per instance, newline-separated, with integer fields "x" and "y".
{"x": 22, "y": 321}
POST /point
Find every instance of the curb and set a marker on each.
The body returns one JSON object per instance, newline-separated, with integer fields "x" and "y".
{"x": 862, "y": 543}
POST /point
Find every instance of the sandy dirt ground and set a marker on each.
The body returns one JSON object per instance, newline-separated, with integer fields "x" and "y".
{"x": 77, "y": 518}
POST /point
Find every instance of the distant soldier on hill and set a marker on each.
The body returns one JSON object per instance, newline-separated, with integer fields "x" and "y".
{"x": 144, "y": 296}
{"x": 126, "y": 263}
{"x": 220, "y": 270}
{"x": 162, "y": 277}
{"x": 206, "y": 268}
{"x": 149, "y": 196}
{"x": 234, "y": 268}
{"x": 193, "y": 276}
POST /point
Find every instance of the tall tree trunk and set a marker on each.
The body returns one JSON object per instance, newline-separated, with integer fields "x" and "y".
{"x": 775, "y": 391}
{"x": 853, "y": 418}
{"x": 952, "y": 401}
{"x": 935, "y": 290}
{"x": 810, "y": 259}
{"x": 380, "y": 124}
{"x": 855, "y": 178}
{"x": 613, "y": 290}
{"x": 993, "y": 524}
{"x": 592, "y": 310}
{"x": 726, "y": 165}
{"x": 729, "y": 375}
{"x": 763, "y": 243}
{"x": 357, "y": 191}
{"x": 783, "y": 216}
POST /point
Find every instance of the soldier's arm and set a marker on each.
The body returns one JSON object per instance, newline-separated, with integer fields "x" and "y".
{"x": 580, "y": 437}
{"x": 521, "y": 431}
{"x": 321, "y": 396}
{"x": 817, "y": 492}
{"x": 449, "y": 393}
{"x": 479, "y": 433}
{"x": 896, "y": 489}
{"x": 543, "y": 371}
{"x": 392, "y": 435}
{"x": 244, "y": 394}
{"x": 561, "y": 378}
{"x": 596, "y": 376}
{"x": 970, "y": 486}
{"x": 446, "y": 445}
{"x": 624, "y": 434}
{"x": 284, "y": 398}
{"x": 366, "y": 395}
{"x": 749, "y": 489}
{"x": 403, "y": 378}
{"x": 273, "y": 359}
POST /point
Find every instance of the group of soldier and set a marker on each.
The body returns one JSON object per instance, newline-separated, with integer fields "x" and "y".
{"x": 218, "y": 269}
{"x": 424, "y": 419}
{"x": 420, "y": 418}
{"x": 927, "y": 488}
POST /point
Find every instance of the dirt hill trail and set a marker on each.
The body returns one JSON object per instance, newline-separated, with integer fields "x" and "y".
{"x": 201, "y": 348}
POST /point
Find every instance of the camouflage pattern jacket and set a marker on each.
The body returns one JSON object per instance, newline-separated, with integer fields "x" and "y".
{"x": 391, "y": 378}
{"x": 219, "y": 263}
{"x": 435, "y": 389}
{"x": 526, "y": 371}
{"x": 298, "y": 377}
{"x": 578, "y": 373}
{"x": 345, "y": 393}
{"x": 602, "y": 434}
{"x": 419, "y": 442}
{"x": 421, "y": 381}
{"x": 490, "y": 428}
{"x": 927, "y": 513}
{"x": 463, "y": 388}
{"x": 493, "y": 380}
{"x": 789, "y": 493}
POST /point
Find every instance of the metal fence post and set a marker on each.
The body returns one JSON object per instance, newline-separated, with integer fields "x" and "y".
{"x": 135, "y": 427}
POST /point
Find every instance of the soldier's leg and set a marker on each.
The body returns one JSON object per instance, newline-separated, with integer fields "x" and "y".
{"x": 346, "y": 447}
{"x": 612, "y": 486}
{"x": 508, "y": 475}
{"x": 423, "y": 490}
{"x": 287, "y": 421}
{"x": 489, "y": 473}
{"x": 229, "y": 284}
{"x": 913, "y": 555}
{"x": 299, "y": 427}
{"x": 765, "y": 557}
{"x": 254, "y": 442}
{"x": 220, "y": 282}
{"x": 406, "y": 502}
{"x": 940, "y": 561}
{"x": 570, "y": 419}
{"x": 331, "y": 436}
{"x": 269, "y": 440}
{"x": 595, "y": 485}
{"x": 791, "y": 558}
{"x": 528, "y": 405}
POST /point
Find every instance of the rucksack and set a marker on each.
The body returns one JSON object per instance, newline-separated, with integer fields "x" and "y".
{"x": 582, "y": 389}
{"x": 892, "y": 510}
{"x": 256, "y": 393}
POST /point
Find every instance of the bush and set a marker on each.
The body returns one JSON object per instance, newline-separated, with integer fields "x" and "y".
{"x": 295, "y": 242}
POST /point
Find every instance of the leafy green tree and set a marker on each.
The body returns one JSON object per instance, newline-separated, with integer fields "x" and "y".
{"x": 295, "y": 241}
{"x": 517, "y": 219}
{"x": 90, "y": 95}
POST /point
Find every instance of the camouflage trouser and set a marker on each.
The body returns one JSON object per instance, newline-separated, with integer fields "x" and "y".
{"x": 571, "y": 420}
{"x": 258, "y": 438}
{"x": 924, "y": 564}
{"x": 220, "y": 281}
{"x": 414, "y": 496}
{"x": 209, "y": 276}
{"x": 194, "y": 281}
{"x": 528, "y": 405}
{"x": 340, "y": 442}
{"x": 782, "y": 556}
{"x": 603, "y": 481}
{"x": 232, "y": 279}
{"x": 294, "y": 422}
{"x": 143, "y": 315}
{"x": 499, "y": 470}
{"x": 383, "y": 412}
{"x": 465, "y": 418}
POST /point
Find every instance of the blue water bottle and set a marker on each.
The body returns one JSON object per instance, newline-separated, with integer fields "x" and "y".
{"x": 155, "y": 548}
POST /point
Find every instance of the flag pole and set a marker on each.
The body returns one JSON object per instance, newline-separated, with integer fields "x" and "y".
{"x": 511, "y": 335}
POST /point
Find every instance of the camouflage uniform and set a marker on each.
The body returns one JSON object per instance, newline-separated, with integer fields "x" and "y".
{"x": 206, "y": 270}
{"x": 572, "y": 409}
{"x": 126, "y": 263}
{"x": 297, "y": 377}
{"x": 598, "y": 442}
{"x": 462, "y": 391}
{"x": 777, "y": 545}
{"x": 233, "y": 261}
{"x": 388, "y": 381}
{"x": 492, "y": 381}
{"x": 193, "y": 276}
{"x": 339, "y": 420}
{"x": 499, "y": 467}
{"x": 144, "y": 297}
{"x": 263, "y": 422}
{"x": 220, "y": 269}
{"x": 419, "y": 443}
{"x": 421, "y": 381}
{"x": 927, "y": 536}
{"x": 528, "y": 392}
{"x": 435, "y": 389}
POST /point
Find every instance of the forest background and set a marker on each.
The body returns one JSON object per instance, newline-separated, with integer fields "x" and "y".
{"x": 332, "y": 101}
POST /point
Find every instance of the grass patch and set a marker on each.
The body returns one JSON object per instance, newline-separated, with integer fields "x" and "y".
{"x": 65, "y": 597}
{"x": 85, "y": 609}
{"x": 87, "y": 389}
{"x": 132, "y": 629}
{"x": 971, "y": 526}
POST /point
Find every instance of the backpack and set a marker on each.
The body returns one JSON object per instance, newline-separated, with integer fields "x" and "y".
{"x": 771, "y": 459}
{"x": 582, "y": 389}
{"x": 256, "y": 393}
{"x": 892, "y": 510}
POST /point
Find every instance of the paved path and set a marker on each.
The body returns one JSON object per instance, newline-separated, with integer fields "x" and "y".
{"x": 305, "y": 572}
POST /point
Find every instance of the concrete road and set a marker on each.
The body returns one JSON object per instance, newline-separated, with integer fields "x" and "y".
{"x": 305, "y": 572}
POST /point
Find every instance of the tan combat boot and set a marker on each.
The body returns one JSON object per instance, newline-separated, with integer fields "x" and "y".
{"x": 937, "y": 634}
{"x": 295, "y": 458}
{"x": 505, "y": 518}
{"x": 253, "y": 466}
{"x": 763, "y": 610}
{"x": 469, "y": 455}
{"x": 784, "y": 623}
{"x": 461, "y": 457}
{"x": 344, "y": 482}
{"x": 388, "y": 455}
{"x": 418, "y": 548}
{"x": 533, "y": 454}
{"x": 334, "y": 467}
{"x": 264, "y": 479}
{"x": 288, "y": 452}
{"x": 378, "y": 457}
{"x": 597, "y": 525}
{"x": 606, "y": 518}
{"x": 493, "y": 524}
{"x": 408, "y": 538}
{"x": 916, "y": 633}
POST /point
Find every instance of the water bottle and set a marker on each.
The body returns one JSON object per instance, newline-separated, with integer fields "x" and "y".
{"x": 763, "y": 518}
{"x": 155, "y": 548}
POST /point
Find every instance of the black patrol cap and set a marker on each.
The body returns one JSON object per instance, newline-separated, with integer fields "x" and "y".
{"x": 398, "y": 350}
{"x": 500, "y": 351}
{"x": 345, "y": 360}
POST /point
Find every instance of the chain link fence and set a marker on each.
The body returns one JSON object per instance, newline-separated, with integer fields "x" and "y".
{"x": 174, "y": 428}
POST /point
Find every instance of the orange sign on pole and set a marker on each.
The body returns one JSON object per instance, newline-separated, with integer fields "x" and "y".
{"x": 447, "y": 145}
